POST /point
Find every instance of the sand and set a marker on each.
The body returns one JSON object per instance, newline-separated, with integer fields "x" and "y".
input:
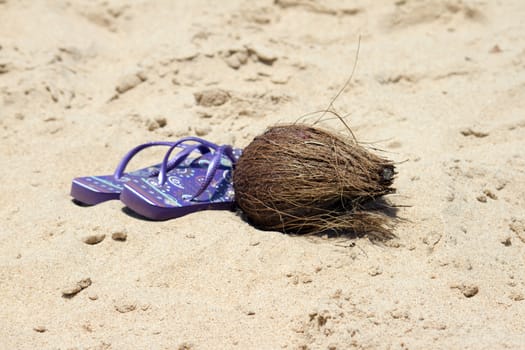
{"x": 439, "y": 85}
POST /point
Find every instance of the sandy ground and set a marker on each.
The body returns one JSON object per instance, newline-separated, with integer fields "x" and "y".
{"x": 440, "y": 85}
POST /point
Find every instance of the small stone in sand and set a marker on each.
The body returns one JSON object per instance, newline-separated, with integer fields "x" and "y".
{"x": 236, "y": 59}
{"x": 119, "y": 236}
{"x": 93, "y": 239}
{"x": 516, "y": 296}
{"x": 202, "y": 130}
{"x": 400, "y": 314}
{"x": 264, "y": 54}
{"x": 475, "y": 133}
{"x": 204, "y": 114}
{"x": 233, "y": 61}
{"x": 306, "y": 279}
{"x": 156, "y": 123}
{"x": 74, "y": 289}
{"x": 40, "y": 329}
{"x": 186, "y": 346}
{"x": 468, "y": 290}
{"x": 129, "y": 81}
{"x": 124, "y": 308}
{"x": 4, "y": 68}
{"x": 506, "y": 241}
{"x": 482, "y": 199}
{"x": 490, "y": 194}
{"x": 211, "y": 97}
{"x": 71, "y": 290}
{"x": 162, "y": 121}
{"x": 86, "y": 282}
{"x": 280, "y": 78}
{"x": 375, "y": 271}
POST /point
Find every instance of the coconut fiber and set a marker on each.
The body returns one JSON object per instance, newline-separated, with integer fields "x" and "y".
{"x": 301, "y": 179}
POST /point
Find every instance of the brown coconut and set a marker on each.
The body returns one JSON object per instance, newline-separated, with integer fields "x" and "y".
{"x": 301, "y": 179}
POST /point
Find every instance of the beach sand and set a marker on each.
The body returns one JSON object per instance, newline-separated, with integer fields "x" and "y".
{"x": 439, "y": 86}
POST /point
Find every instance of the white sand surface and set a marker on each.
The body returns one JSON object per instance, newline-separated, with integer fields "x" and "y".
{"x": 439, "y": 85}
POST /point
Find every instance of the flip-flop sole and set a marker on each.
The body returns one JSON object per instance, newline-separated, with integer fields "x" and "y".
{"x": 92, "y": 190}
{"x": 173, "y": 199}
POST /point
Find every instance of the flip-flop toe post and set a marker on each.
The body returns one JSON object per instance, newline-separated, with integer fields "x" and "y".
{"x": 197, "y": 184}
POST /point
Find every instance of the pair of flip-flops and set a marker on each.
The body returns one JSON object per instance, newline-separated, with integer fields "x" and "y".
{"x": 198, "y": 177}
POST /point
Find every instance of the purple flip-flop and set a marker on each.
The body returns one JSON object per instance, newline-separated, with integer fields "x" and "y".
{"x": 92, "y": 190}
{"x": 194, "y": 184}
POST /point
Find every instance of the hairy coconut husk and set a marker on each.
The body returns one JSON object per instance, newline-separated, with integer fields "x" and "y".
{"x": 301, "y": 179}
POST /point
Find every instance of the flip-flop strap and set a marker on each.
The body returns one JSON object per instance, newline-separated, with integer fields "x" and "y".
{"x": 224, "y": 150}
{"x": 119, "y": 172}
{"x": 165, "y": 166}
{"x": 182, "y": 155}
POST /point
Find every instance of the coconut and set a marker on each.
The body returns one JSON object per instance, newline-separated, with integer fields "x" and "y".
{"x": 302, "y": 179}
